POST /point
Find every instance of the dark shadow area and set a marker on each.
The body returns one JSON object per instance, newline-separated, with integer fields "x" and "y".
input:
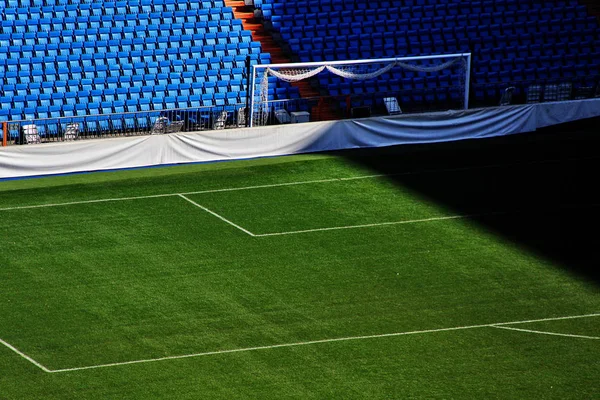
{"x": 542, "y": 185}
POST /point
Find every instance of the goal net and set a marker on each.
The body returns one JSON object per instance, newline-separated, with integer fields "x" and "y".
{"x": 417, "y": 84}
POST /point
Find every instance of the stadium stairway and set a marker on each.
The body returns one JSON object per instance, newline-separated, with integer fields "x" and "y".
{"x": 320, "y": 112}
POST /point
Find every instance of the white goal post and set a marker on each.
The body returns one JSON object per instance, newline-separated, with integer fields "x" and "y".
{"x": 365, "y": 69}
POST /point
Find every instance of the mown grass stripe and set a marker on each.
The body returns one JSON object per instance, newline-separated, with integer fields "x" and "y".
{"x": 312, "y": 342}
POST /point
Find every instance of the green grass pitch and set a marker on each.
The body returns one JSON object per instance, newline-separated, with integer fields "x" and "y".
{"x": 344, "y": 276}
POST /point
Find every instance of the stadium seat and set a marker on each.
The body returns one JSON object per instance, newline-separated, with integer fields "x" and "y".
{"x": 57, "y": 49}
{"x": 534, "y": 94}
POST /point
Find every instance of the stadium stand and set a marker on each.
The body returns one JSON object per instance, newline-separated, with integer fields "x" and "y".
{"x": 520, "y": 44}
{"x": 71, "y": 59}
{"x": 75, "y": 58}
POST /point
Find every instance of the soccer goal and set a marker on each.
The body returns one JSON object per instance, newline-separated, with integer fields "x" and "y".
{"x": 420, "y": 83}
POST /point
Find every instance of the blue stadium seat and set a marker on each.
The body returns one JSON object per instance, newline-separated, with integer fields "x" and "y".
{"x": 199, "y": 44}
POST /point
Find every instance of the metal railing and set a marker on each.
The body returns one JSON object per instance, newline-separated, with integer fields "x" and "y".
{"x": 489, "y": 94}
{"x": 43, "y": 130}
{"x": 138, "y": 123}
{"x": 273, "y": 112}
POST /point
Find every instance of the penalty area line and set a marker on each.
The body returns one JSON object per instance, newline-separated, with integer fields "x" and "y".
{"x": 216, "y": 215}
{"x": 410, "y": 221}
{"x": 421, "y": 220}
{"x": 321, "y": 341}
{"x": 547, "y": 333}
{"x": 25, "y": 356}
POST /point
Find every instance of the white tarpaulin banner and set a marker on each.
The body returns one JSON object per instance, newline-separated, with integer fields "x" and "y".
{"x": 228, "y": 144}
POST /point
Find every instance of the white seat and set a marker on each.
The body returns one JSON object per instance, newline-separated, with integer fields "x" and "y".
{"x": 551, "y": 92}
{"x": 164, "y": 125}
{"x": 282, "y": 116}
{"x": 72, "y": 131}
{"x": 299, "y": 116}
{"x": 30, "y": 134}
{"x": 565, "y": 90}
{"x": 534, "y": 94}
{"x": 506, "y": 98}
{"x": 241, "y": 117}
{"x": 220, "y": 120}
{"x": 392, "y": 106}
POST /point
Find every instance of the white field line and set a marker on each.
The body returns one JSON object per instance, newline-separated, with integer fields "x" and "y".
{"x": 72, "y": 203}
{"x": 272, "y": 185}
{"x": 283, "y": 184}
{"x": 25, "y": 356}
{"x": 193, "y": 193}
{"x": 297, "y": 344}
{"x": 547, "y": 333}
{"x": 430, "y": 219}
{"x": 410, "y": 221}
{"x": 217, "y": 215}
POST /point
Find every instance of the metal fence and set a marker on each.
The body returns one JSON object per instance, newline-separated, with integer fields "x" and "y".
{"x": 297, "y": 110}
{"x": 489, "y": 94}
{"x": 124, "y": 124}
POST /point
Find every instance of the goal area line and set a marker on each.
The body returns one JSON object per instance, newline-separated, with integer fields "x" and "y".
{"x": 185, "y": 196}
{"x": 305, "y": 343}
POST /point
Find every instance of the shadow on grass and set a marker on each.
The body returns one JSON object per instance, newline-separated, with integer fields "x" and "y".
{"x": 546, "y": 181}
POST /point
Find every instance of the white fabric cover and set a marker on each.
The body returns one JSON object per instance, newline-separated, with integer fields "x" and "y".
{"x": 228, "y": 144}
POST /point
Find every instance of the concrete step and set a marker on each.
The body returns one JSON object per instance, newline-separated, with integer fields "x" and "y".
{"x": 268, "y": 45}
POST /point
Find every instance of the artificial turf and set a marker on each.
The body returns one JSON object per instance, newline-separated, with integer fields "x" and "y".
{"x": 95, "y": 283}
